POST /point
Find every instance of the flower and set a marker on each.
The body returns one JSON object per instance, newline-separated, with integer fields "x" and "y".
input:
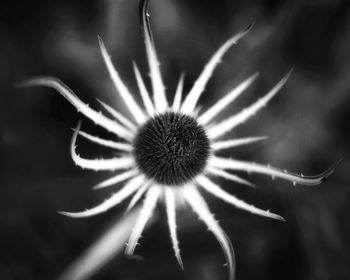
{"x": 170, "y": 150}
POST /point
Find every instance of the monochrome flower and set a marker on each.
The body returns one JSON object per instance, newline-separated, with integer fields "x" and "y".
{"x": 170, "y": 151}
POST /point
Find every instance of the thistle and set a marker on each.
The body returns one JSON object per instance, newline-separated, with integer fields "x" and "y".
{"x": 170, "y": 151}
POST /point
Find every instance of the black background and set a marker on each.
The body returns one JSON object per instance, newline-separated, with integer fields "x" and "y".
{"x": 307, "y": 124}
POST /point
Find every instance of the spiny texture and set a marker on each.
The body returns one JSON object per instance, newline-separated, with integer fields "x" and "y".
{"x": 171, "y": 148}
{"x": 168, "y": 151}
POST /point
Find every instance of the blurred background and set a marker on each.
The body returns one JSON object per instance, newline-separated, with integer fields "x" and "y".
{"x": 307, "y": 124}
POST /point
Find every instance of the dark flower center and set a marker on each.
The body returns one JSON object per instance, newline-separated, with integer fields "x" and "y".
{"x": 171, "y": 148}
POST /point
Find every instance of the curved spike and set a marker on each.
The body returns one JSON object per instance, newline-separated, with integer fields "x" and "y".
{"x": 67, "y": 93}
{"x": 220, "y": 193}
{"x": 220, "y": 145}
{"x": 147, "y": 102}
{"x": 144, "y": 15}
{"x": 231, "y": 122}
{"x": 159, "y": 96}
{"x": 178, "y": 94}
{"x": 107, "y": 143}
{"x": 231, "y": 177}
{"x": 118, "y": 116}
{"x": 150, "y": 202}
{"x": 198, "y": 204}
{"x": 115, "y": 199}
{"x": 129, "y": 100}
{"x": 171, "y": 213}
{"x": 98, "y": 164}
{"x": 192, "y": 98}
{"x": 226, "y": 100}
{"x": 232, "y": 164}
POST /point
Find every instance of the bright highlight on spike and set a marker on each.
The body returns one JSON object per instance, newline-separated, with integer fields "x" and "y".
{"x": 158, "y": 88}
{"x": 147, "y": 102}
{"x": 121, "y": 177}
{"x": 178, "y": 93}
{"x": 107, "y": 143}
{"x": 137, "y": 196}
{"x": 150, "y": 202}
{"x": 220, "y": 193}
{"x": 199, "y": 86}
{"x": 222, "y": 145}
{"x": 129, "y": 100}
{"x": 198, "y": 204}
{"x": 114, "y": 200}
{"x": 228, "y": 176}
{"x": 167, "y": 153}
{"x": 67, "y": 93}
{"x": 231, "y": 164}
{"x": 170, "y": 204}
{"x": 118, "y": 116}
{"x": 98, "y": 164}
{"x": 224, "y": 102}
{"x": 230, "y": 123}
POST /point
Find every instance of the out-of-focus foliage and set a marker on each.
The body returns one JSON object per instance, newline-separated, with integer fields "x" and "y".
{"x": 307, "y": 125}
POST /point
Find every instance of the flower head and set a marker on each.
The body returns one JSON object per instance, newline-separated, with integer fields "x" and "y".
{"x": 170, "y": 150}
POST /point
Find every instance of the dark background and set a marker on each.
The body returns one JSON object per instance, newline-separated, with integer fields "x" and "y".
{"x": 307, "y": 124}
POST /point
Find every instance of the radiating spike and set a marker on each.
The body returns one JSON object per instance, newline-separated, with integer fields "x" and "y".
{"x": 199, "y": 86}
{"x": 129, "y": 100}
{"x": 115, "y": 199}
{"x": 231, "y": 122}
{"x": 226, "y": 100}
{"x": 232, "y": 164}
{"x": 106, "y": 143}
{"x": 221, "y": 145}
{"x": 171, "y": 213}
{"x": 67, "y": 93}
{"x": 197, "y": 203}
{"x": 118, "y": 116}
{"x": 228, "y": 176}
{"x": 116, "y": 179}
{"x": 158, "y": 88}
{"x": 150, "y": 202}
{"x": 98, "y": 164}
{"x": 178, "y": 94}
{"x": 196, "y": 111}
{"x": 147, "y": 102}
{"x": 220, "y": 193}
{"x": 137, "y": 196}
